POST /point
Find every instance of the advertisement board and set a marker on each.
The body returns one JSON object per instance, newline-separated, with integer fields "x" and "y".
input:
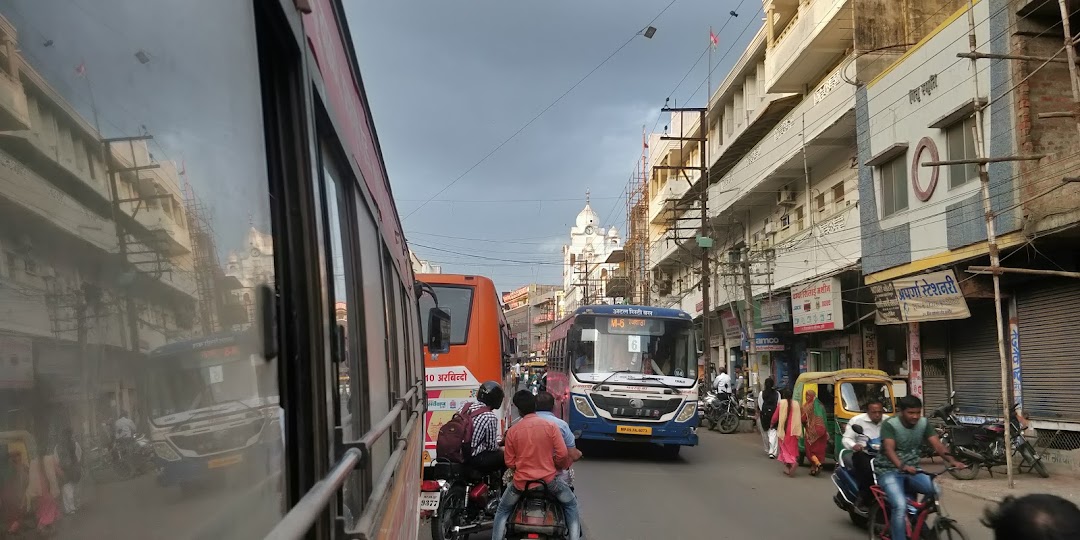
{"x": 816, "y": 306}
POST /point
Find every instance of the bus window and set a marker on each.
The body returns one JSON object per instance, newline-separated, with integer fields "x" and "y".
{"x": 457, "y": 301}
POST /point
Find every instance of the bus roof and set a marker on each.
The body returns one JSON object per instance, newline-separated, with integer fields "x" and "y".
{"x": 634, "y": 311}
{"x": 452, "y": 279}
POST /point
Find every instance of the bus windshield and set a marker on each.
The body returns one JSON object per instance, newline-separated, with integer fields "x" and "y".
{"x": 195, "y": 381}
{"x": 663, "y": 347}
{"x": 457, "y": 301}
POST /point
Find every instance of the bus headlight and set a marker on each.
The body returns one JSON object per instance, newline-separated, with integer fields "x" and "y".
{"x": 164, "y": 451}
{"x": 583, "y": 407}
{"x": 689, "y": 410}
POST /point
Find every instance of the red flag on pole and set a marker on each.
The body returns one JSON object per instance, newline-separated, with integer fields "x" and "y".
{"x": 80, "y": 70}
{"x": 713, "y": 39}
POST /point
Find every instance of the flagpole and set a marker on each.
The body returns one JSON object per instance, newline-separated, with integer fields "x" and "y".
{"x": 708, "y": 89}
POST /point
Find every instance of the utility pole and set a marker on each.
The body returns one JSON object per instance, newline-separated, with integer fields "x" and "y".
{"x": 748, "y": 313}
{"x": 704, "y": 241}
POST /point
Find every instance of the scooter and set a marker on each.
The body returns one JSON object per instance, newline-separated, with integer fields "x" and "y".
{"x": 846, "y": 481}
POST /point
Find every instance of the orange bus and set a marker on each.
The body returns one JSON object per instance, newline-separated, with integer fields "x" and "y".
{"x": 480, "y": 346}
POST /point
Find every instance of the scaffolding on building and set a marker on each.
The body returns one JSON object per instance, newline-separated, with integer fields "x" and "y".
{"x": 637, "y": 222}
{"x": 205, "y": 260}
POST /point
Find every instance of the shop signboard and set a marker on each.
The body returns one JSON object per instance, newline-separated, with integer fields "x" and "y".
{"x": 775, "y": 311}
{"x": 730, "y": 324}
{"x": 816, "y": 306}
{"x": 926, "y": 297}
{"x": 767, "y": 342}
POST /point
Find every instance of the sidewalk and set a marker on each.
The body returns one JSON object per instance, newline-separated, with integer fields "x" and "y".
{"x": 994, "y": 489}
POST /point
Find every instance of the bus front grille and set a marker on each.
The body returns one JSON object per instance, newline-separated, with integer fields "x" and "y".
{"x": 636, "y": 408}
{"x": 213, "y": 442}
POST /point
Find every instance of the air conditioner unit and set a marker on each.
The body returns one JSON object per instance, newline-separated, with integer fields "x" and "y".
{"x": 770, "y": 228}
{"x": 785, "y": 197}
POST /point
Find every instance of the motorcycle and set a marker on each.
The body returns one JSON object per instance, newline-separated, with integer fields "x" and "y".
{"x": 846, "y": 481}
{"x": 459, "y": 500}
{"x": 984, "y": 445}
{"x": 537, "y": 515}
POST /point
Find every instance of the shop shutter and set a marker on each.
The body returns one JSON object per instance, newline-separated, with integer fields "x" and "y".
{"x": 1049, "y": 357}
{"x": 976, "y": 368}
{"x": 935, "y": 384}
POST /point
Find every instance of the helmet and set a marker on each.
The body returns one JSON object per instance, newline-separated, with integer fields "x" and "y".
{"x": 490, "y": 394}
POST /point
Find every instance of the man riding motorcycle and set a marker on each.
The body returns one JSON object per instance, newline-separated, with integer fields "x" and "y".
{"x": 545, "y": 403}
{"x": 870, "y": 421}
{"x": 535, "y": 450}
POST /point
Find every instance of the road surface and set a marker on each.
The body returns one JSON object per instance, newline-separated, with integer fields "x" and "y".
{"x": 725, "y": 488}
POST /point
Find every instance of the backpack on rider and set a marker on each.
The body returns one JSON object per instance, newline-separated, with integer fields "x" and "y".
{"x": 455, "y": 436}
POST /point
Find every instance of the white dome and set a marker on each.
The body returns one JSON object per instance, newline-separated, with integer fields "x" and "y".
{"x": 587, "y": 217}
{"x": 613, "y": 233}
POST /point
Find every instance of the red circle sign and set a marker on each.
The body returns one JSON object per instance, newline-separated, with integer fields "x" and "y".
{"x": 926, "y": 143}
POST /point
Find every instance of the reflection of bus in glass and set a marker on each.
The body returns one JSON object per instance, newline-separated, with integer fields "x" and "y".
{"x": 627, "y": 373}
{"x": 480, "y": 347}
{"x": 213, "y": 408}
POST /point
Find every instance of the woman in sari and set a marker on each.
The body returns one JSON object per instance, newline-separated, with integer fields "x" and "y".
{"x": 816, "y": 434}
{"x": 788, "y": 422}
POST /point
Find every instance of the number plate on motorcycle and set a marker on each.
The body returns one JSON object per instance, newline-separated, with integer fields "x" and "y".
{"x": 634, "y": 430}
{"x": 429, "y": 500}
{"x": 224, "y": 461}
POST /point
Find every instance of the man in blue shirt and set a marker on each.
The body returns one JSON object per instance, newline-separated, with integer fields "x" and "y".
{"x": 545, "y": 403}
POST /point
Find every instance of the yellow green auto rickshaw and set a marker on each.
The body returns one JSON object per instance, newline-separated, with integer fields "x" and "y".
{"x": 843, "y": 394}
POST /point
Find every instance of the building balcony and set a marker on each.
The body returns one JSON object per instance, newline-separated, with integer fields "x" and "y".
{"x": 544, "y": 319}
{"x": 169, "y": 236}
{"x": 828, "y": 114}
{"x": 819, "y": 34}
{"x": 14, "y": 112}
{"x": 668, "y": 196}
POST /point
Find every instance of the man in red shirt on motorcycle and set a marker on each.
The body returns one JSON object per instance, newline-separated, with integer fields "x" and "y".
{"x": 535, "y": 451}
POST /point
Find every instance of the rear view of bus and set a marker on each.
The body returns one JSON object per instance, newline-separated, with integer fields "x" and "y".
{"x": 479, "y": 343}
{"x": 627, "y": 373}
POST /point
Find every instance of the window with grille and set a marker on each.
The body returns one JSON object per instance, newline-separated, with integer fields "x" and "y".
{"x": 960, "y": 144}
{"x": 894, "y": 193}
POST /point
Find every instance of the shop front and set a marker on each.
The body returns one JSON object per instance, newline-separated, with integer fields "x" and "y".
{"x": 914, "y": 316}
{"x": 817, "y": 315}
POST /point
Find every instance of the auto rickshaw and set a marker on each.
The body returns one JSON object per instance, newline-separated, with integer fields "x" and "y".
{"x": 844, "y": 394}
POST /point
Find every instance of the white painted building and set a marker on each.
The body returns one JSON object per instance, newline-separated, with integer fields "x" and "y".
{"x": 251, "y": 266}
{"x": 421, "y": 266}
{"x": 585, "y": 266}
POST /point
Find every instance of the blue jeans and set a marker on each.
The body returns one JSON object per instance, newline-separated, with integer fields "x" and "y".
{"x": 562, "y": 493}
{"x": 897, "y": 486}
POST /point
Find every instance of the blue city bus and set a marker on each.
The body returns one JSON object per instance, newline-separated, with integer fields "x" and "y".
{"x": 626, "y": 373}
{"x": 213, "y": 410}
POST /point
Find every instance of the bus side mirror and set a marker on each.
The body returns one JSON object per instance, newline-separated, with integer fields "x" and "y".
{"x": 438, "y": 339}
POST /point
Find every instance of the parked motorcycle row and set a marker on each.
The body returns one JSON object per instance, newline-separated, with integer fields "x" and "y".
{"x": 724, "y": 414}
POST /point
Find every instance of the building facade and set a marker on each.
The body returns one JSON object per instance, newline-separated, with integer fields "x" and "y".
{"x": 586, "y": 266}
{"x": 530, "y": 312}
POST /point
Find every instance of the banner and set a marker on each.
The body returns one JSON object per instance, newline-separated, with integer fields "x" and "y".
{"x": 925, "y": 297}
{"x": 16, "y": 362}
{"x": 775, "y": 311}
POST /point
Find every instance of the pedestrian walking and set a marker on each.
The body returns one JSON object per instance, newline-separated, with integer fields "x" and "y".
{"x": 788, "y": 423}
{"x": 69, "y": 454}
{"x": 766, "y": 406}
{"x": 816, "y": 434}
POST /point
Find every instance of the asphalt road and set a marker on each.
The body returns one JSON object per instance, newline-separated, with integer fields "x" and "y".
{"x": 725, "y": 488}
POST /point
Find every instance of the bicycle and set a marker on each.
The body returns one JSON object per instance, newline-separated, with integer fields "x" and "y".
{"x": 918, "y": 514}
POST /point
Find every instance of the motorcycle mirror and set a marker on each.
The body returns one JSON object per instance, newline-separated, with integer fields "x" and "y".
{"x": 857, "y": 429}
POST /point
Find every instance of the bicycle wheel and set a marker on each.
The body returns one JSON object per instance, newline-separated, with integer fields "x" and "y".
{"x": 875, "y": 524}
{"x": 947, "y": 529}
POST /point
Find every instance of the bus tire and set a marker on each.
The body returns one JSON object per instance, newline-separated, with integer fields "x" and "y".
{"x": 671, "y": 451}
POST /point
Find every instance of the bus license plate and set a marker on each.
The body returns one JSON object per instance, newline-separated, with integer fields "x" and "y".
{"x": 634, "y": 430}
{"x": 429, "y": 500}
{"x": 224, "y": 461}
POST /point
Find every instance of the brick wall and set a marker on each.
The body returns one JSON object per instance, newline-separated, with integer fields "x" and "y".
{"x": 1047, "y": 90}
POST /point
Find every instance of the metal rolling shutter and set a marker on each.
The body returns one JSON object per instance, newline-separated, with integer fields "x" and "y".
{"x": 935, "y": 369}
{"x": 1049, "y": 357}
{"x": 976, "y": 369}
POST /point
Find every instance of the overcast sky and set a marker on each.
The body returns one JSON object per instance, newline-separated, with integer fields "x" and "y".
{"x": 449, "y": 81}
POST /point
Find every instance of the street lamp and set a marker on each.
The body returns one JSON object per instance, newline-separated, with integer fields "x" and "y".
{"x": 649, "y": 32}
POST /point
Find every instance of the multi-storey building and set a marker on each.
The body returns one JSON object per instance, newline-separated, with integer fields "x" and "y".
{"x": 783, "y": 187}
{"x": 530, "y": 312}
{"x": 925, "y": 226}
{"x": 96, "y": 264}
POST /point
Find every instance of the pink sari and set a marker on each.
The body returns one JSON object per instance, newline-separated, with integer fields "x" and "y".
{"x": 788, "y": 434}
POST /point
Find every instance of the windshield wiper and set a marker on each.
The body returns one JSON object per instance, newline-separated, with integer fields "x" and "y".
{"x": 662, "y": 382}
{"x": 608, "y": 378}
